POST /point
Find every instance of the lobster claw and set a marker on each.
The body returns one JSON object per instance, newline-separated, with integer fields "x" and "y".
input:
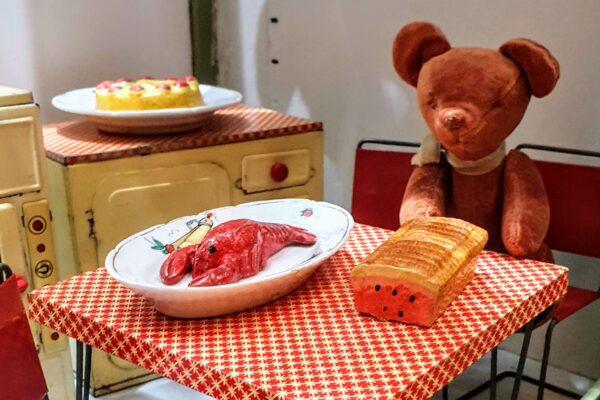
{"x": 177, "y": 265}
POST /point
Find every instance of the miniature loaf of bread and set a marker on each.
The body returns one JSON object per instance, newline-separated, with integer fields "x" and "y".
{"x": 419, "y": 270}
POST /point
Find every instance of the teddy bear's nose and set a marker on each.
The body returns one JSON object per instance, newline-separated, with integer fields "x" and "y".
{"x": 453, "y": 119}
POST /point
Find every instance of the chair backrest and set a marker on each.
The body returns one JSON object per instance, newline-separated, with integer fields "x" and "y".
{"x": 574, "y": 195}
{"x": 380, "y": 177}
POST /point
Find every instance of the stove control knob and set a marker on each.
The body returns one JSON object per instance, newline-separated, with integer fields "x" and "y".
{"x": 21, "y": 283}
{"x": 279, "y": 172}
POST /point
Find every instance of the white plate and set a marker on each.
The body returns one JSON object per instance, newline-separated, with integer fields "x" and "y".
{"x": 168, "y": 120}
{"x": 136, "y": 261}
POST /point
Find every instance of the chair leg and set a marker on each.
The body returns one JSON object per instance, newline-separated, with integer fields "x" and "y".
{"x": 545, "y": 358}
{"x": 445, "y": 393}
{"x": 522, "y": 358}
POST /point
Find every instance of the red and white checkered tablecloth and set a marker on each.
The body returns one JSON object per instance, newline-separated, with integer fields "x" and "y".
{"x": 310, "y": 344}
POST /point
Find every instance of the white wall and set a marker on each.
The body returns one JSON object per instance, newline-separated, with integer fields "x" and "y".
{"x": 52, "y": 46}
{"x": 335, "y": 66}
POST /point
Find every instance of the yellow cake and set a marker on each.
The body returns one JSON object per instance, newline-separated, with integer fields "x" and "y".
{"x": 148, "y": 94}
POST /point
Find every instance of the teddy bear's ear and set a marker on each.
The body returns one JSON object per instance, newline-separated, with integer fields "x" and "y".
{"x": 540, "y": 67}
{"x": 416, "y": 43}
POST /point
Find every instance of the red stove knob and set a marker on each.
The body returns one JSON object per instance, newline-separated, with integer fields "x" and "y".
{"x": 279, "y": 172}
{"x": 37, "y": 225}
{"x": 21, "y": 283}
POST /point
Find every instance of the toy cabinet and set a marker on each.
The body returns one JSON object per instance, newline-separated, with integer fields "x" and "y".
{"x": 105, "y": 187}
{"x": 26, "y": 240}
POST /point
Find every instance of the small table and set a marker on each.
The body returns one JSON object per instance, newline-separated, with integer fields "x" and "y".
{"x": 310, "y": 344}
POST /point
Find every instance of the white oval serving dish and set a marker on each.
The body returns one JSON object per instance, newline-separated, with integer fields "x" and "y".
{"x": 136, "y": 261}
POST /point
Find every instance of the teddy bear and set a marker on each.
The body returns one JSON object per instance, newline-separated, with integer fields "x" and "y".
{"x": 472, "y": 99}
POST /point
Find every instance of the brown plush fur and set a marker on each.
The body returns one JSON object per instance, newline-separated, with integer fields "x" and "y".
{"x": 472, "y": 99}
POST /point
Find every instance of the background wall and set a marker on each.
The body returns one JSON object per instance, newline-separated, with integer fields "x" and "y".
{"x": 52, "y": 46}
{"x": 334, "y": 65}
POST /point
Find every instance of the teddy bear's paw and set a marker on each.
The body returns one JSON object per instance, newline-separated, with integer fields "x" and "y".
{"x": 412, "y": 209}
{"x": 519, "y": 241}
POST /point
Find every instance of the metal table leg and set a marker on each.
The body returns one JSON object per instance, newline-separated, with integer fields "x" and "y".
{"x": 493, "y": 373}
{"x": 522, "y": 358}
{"x": 78, "y": 370}
{"x": 82, "y": 371}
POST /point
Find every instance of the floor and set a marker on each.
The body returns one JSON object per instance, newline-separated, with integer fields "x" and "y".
{"x": 480, "y": 372}
{"x": 164, "y": 389}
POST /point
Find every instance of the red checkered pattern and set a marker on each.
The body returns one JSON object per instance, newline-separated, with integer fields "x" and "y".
{"x": 310, "y": 344}
{"x": 80, "y": 142}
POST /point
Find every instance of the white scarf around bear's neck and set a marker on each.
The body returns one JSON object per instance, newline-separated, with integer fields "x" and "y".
{"x": 430, "y": 150}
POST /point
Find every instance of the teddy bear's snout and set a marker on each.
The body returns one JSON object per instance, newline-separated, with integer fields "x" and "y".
{"x": 454, "y": 119}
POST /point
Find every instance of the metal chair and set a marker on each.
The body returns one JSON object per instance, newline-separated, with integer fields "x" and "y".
{"x": 574, "y": 194}
{"x": 380, "y": 177}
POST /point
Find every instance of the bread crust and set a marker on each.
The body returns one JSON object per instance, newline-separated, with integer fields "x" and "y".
{"x": 430, "y": 259}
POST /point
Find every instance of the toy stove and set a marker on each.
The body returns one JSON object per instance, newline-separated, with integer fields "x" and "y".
{"x": 26, "y": 234}
{"x": 105, "y": 187}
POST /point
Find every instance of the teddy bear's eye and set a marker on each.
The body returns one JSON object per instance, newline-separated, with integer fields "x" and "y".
{"x": 432, "y": 101}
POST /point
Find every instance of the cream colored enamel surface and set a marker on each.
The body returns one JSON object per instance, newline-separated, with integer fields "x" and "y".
{"x": 23, "y": 194}
{"x": 85, "y": 196}
{"x": 12, "y": 96}
{"x": 19, "y": 161}
{"x": 256, "y": 169}
{"x": 11, "y": 251}
{"x": 158, "y": 191}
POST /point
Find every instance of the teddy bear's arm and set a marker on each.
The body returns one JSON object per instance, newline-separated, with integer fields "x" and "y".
{"x": 526, "y": 212}
{"x": 425, "y": 193}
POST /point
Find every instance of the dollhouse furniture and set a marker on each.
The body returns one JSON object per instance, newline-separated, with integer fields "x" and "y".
{"x": 106, "y": 187}
{"x": 20, "y": 366}
{"x": 311, "y": 343}
{"x": 374, "y": 202}
{"x": 26, "y": 239}
{"x": 574, "y": 195}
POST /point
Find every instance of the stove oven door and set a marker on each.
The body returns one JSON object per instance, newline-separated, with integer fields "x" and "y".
{"x": 127, "y": 202}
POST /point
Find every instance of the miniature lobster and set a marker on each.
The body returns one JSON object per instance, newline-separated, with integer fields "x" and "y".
{"x": 231, "y": 251}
